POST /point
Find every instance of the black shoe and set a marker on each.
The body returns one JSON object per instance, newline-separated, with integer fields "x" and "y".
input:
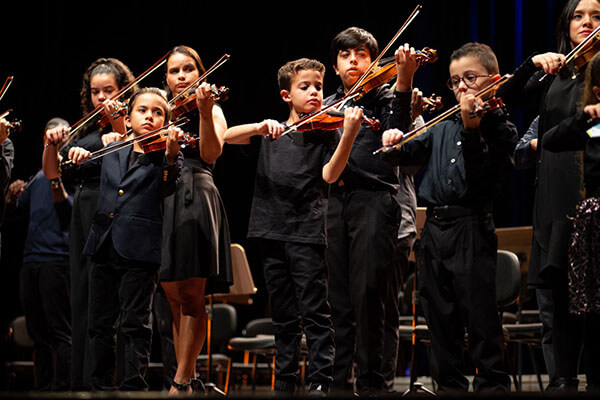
{"x": 564, "y": 385}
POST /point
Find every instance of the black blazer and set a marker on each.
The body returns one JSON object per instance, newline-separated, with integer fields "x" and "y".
{"x": 130, "y": 204}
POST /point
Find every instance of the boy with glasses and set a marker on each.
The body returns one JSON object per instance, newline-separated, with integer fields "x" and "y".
{"x": 468, "y": 158}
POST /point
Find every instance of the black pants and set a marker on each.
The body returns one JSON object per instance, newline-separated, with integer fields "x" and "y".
{"x": 392, "y": 312}
{"x": 45, "y": 298}
{"x": 121, "y": 293}
{"x": 457, "y": 287}
{"x": 362, "y": 230}
{"x": 296, "y": 278}
{"x": 163, "y": 316}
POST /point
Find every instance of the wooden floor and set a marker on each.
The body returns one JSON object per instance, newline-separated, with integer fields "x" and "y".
{"x": 530, "y": 389}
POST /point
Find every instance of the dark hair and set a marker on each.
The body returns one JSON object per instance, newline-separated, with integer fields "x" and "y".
{"x": 54, "y": 122}
{"x": 185, "y": 50}
{"x": 154, "y": 90}
{"x": 482, "y": 52}
{"x": 592, "y": 78}
{"x": 289, "y": 70}
{"x": 563, "y": 27}
{"x": 111, "y": 66}
{"x": 353, "y": 38}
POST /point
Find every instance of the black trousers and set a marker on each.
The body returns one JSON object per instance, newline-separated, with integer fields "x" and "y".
{"x": 121, "y": 294}
{"x": 362, "y": 230}
{"x": 457, "y": 288}
{"x": 296, "y": 278}
{"x": 163, "y": 316}
{"x": 44, "y": 288}
{"x": 392, "y": 312}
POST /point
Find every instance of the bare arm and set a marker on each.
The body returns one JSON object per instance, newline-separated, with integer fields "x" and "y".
{"x": 241, "y": 134}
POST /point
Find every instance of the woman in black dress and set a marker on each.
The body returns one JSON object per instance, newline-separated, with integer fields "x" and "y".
{"x": 196, "y": 244}
{"x": 101, "y": 81}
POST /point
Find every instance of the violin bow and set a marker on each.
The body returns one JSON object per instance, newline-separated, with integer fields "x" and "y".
{"x": 439, "y": 118}
{"x": 83, "y": 121}
{"x": 148, "y": 135}
{"x": 575, "y": 52}
{"x": 209, "y": 71}
{"x": 5, "y": 86}
{"x": 375, "y": 62}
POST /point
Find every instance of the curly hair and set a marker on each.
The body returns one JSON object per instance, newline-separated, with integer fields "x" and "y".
{"x": 112, "y": 66}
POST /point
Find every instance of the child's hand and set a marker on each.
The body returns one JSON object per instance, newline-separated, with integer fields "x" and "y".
{"x": 391, "y": 137}
{"x": 204, "y": 99}
{"x": 78, "y": 155}
{"x": 4, "y": 131}
{"x": 593, "y": 110}
{"x": 416, "y": 103}
{"x": 15, "y": 190}
{"x": 468, "y": 103}
{"x": 533, "y": 144}
{"x": 270, "y": 128}
{"x": 549, "y": 62}
{"x": 406, "y": 66}
{"x": 352, "y": 120}
{"x": 111, "y": 137}
{"x": 172, "y": 147}
{"x": 55, "y": 135}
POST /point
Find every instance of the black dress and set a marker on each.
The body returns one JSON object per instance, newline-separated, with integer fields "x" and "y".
{"x": 196, "y": 241}
{"x": 86, "y": 179}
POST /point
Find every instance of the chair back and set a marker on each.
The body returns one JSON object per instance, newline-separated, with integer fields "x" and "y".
{"x": 224, "y": 325}
{"x": 260, "y": 326}
{"x": 243, "y": 284}
{"x": 508, "y": 278}
{"x": 17, "y": 331}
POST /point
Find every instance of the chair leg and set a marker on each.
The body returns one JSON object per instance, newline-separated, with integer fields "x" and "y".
{"x": 535, "y": 366}
{"x": 511, "y": 367}
{"x": 228, "y": 376}
{"x": 273, "y": 375}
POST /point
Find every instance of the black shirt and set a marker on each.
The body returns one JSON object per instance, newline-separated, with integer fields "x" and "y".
{"x": 571, "y": 135}
{"x": 290, "y": 195}
{"x": 464, "y": 167}
{"x": 363, "y": 170}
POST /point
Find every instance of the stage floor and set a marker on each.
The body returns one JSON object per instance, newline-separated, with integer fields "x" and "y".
{"x": 530, "y": 388}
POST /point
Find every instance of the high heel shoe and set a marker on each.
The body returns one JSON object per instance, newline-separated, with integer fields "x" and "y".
{"x": 197, "y": 386}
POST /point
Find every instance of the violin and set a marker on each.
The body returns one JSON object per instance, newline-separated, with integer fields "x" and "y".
{"x": 487, "y": 106}
{"x": 492, "y": 103}
{"x": 385, "y": 73}
{"x": 332, "y": 120}
{"x": 583, "y": 52}
{"x": 185, "y": 101}
{"x": 161, "y": 143}
{"x": 13, "y": 127}
{"x": 432, "y": 103}
{"x": 120, "y": 111}
{"x": 187, "y": 104}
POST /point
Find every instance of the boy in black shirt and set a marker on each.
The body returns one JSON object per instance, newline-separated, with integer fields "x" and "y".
{"x": 288, "y": 215}
{"x": 468, "y": 158}
{"x": 364, "y": 216}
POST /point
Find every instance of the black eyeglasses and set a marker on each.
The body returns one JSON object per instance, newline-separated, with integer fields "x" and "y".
{"x": 469, "y": 79}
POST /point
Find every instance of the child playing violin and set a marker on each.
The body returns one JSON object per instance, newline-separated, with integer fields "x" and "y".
{"x": 288, "y": 216}
{"x": 363, "y": 219}
{"x": 125, "y": 242}
{"x": 467, "y": 158}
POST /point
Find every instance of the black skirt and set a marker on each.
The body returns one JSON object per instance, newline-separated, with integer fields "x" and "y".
{"x": 196, "y": 241}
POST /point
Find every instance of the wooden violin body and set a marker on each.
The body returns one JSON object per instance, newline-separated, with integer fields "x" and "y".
{"x": 186, "y": 104}
{"x": 488, "y": 105}
{"x": 332, "y": 120}
{"x": 387, "y": 71}
{"x": 161, "y": 143}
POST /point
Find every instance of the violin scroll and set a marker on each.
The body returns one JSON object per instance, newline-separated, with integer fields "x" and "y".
{"x": 488, "y": 105}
